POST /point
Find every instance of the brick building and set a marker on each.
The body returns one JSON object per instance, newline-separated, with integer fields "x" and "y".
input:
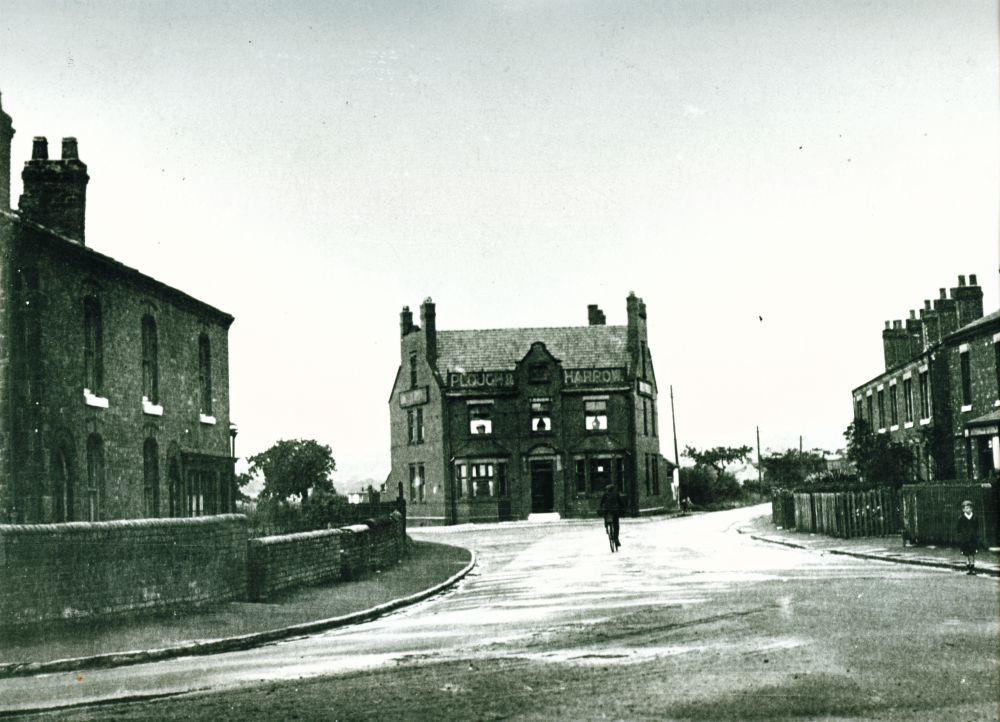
{"x": 114, "y": 387}
{"x": 497, "y": 424}
{"x": 940, "y": 391}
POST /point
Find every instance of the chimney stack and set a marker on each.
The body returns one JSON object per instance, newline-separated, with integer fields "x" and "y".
{"x": 55, "y": 191}
{"x": 969, "y": 300}
{"x": 6, "y": 136}
{"x": 932, "y": 325}
{"x": 915, "y": 332}
{"x": 895, "y": 344}
{"x": 428, "y": 319}
{"x": 405, "y": 321}
{"x": 595, "y": 316}
{"x": 947, "y": 311}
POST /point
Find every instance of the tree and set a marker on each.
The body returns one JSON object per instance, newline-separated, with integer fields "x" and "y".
{"x": 294, "y": 467}
{"x": 879, "y": 460}
{"x": 788, "y": 469}
{"x": 719, "y": 457}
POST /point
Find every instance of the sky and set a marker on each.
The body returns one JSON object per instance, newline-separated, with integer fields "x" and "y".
{"x": 775, "y": 179}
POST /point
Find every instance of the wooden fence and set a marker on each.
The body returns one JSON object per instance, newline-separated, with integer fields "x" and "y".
{"x": 931, "y": 511}
{"x": 844, "y": 514}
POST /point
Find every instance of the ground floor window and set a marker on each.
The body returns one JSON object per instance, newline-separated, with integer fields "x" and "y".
{"x": 594, "y": 473}
{"x": 481, "y": 479}
{"x": 417, "y": 482}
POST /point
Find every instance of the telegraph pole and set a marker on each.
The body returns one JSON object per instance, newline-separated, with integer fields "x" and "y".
{"x": 760, "y": 473}
{"x": 673, "y": 421}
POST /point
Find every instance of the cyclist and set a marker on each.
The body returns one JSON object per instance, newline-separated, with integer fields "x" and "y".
{"x": 611, "y": 507}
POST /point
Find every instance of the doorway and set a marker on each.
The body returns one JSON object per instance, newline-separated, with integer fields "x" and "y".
{"x": 542, "y": 487}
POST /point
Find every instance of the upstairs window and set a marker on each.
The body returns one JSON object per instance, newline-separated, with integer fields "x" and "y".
{"x": 871, "y": 413}
{"x": 205, "y": 373}
{"x": 925, "y": 396}
{"x": 645, "y": 417}
{"x": 93, "y": 346}
{"x": 413, "y": 371}
{"x": 538, "y": 373}
{"x": 966, "y": 379}
{"x": 480, "y": 419}
{"x": 908, "y": 399}
{"x": 596, "y": 415}
{"x": 541, "y": 415}
{"x": 893, "y": 407}
{"x": 996, "y": 364}
{"x": 652, "y": 416}
{"x": 150, "y": 361}
{"x": 858, "y": 411}
{"x": 642, "y": 361}
{"x": 881, "y": 408}
{"x": 415, "y": 426}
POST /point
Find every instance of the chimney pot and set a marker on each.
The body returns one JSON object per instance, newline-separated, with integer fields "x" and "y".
{"x": 913, "y": 314}
{"x": 69, "y": 149}
{"x": 961, "y": 280}
{"x": 897, "y": 324}
{"x": 972, "y": 279}
{"x": 927, "y": 305}
{"x": 888, "y": 324}
{"x": 942, "y": 293}
{"x": 40, "y": 148}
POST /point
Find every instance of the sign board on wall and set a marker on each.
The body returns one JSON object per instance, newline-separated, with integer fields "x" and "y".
{"x": 645, "y": 388}
{"x": 593, "y": 377}
{"x": 413, "y": 397}
{"x": 481, "y": 380}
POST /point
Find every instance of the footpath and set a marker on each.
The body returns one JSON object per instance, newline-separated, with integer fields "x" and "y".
{"x": 885, "y": 549}
{"x": 428, "y": 568}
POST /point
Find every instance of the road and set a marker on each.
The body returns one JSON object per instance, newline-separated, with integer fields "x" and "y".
{"x": 691, "y": 620}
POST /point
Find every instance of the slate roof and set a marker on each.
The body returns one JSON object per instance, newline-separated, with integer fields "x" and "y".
{"x": 972, "y": 325}
{"x": 502, "y": 348}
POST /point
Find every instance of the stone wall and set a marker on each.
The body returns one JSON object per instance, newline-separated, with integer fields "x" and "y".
{"x": 279, "y": 563}
{"x": 100, "y": 569}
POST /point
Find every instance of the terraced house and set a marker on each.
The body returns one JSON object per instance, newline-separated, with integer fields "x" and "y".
{"x": 498, "y": 424}
{"x": 940, "y": 391}
{"x": 114, "y": 386}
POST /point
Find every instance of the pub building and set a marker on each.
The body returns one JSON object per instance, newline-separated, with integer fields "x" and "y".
{"x": 499, "y": 424}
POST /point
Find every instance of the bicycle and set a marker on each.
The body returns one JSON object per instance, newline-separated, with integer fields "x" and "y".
{"x": 609, "y": 527}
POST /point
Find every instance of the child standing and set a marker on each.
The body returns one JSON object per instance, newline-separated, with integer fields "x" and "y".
{"x": 968, "y": 536}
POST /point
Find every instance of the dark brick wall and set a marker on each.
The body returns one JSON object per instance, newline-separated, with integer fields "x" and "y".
{"x": 67, "y": 273}
{"x": 985, "y": 394}
{"x": 85, "y": 570}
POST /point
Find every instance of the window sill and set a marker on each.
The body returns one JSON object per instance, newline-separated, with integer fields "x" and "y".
{"x": 966, "y": 408}
{"x": 997, "y": 402}
{"x": 207, "y": 420}
{"x": 908, "y": 425}
{"x": 98, "y": 402}
{"x": 151, "y": 409}
{"x": 894, "y": 427}
{"x": 882, "y": 430}
{"x": 924, "y": 422}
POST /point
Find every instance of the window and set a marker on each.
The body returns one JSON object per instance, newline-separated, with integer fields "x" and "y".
{"x": 642, "y": 360}
{"x": 656, "y": 475}
{"x": 205, "y": 373}
{"x": 461, "y": 479}
{"x": 93, "y": 346}
{"x": 502, "y": 489}
{"x": 417, "y": 482}
{"x": 649, "y": 487}
{"x": 541, "y": 415}
{"x": 415, "y": 426}
{"x": 413, "y": 371}
{"x": 481, "y": 480}
{"x": 881, "y": 408}
{"x": 996, "y": 364}
{"x": 150, "y": 479}
{"x": 600, "y": 474}
{"x": 893, "y": 406}
{"x": 596, "y": 415}
{"x": 908, "y": 399}
{"x": 652, "y": 415}
{"x": 150, "y": 361}
{"x": 925, "y": 396}
{"x": 95, "y": 476}
{"x": 858, "y": 412}
{"x": 480, "y": 421}
{"x": 538, "y": 373}
{"x": 966, "y": 379}
{"x": 645, "y": 418}
{"x": 871, "y": 413}
{"x": 581, "y": 476}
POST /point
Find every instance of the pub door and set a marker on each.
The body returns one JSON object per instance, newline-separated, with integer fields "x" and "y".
{"x": 542, "y": 487}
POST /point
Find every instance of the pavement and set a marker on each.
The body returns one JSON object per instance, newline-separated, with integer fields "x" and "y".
{"x": 885, "y": 549}
{"x": 428, "y": 569}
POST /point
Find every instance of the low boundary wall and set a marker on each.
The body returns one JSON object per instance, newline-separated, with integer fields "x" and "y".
{"x": 98, "y": 569}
